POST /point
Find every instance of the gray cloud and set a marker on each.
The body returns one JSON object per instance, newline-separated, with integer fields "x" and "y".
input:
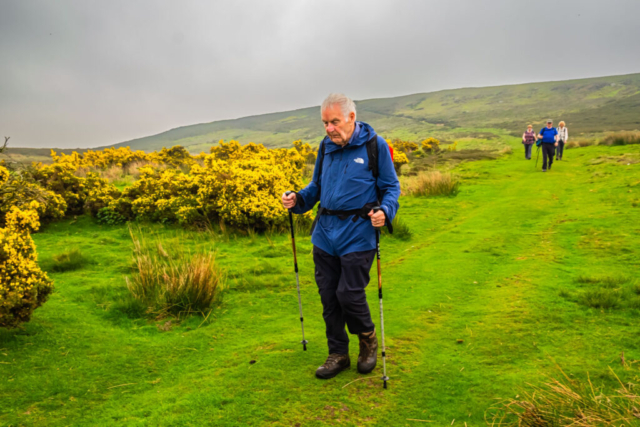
{"x": 89, "y": 73}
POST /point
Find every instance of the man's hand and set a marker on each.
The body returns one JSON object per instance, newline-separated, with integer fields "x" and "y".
{"x": 556, "y": 144}
{"x": 378, "y": 219}
{"x": 290, "y": 200}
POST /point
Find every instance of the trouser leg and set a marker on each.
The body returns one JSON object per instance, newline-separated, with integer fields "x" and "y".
{"x": 548, "y": 151}
{"x": 354, "y": 278}
{"x": 527, "y": 150}
{"x": 560, "y": 150}
{"x": 328, "y": 271}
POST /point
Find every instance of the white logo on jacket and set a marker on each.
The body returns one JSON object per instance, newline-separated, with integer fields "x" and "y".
{"x": 359, "y": 160}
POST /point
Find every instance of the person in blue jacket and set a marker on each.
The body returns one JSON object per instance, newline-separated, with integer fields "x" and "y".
{"x": 343, "y": 238}
{"x": 549, "y": 136}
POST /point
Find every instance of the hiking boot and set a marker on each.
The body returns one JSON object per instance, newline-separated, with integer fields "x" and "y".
{"x": 544, "y": 170}
{"x": 334, "y": 364}
{"x": 368, "y": 352}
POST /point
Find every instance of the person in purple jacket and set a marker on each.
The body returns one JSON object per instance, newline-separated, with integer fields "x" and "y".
{"x": 528, "y": 139}
{"x": 343, "y": 238}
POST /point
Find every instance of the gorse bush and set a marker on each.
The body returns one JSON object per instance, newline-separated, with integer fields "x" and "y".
{"x": 238, "y": 185}
{"x": 399, "y": 159}
{"x": 23, "y": 285}
{"x": 171, "y": 281}
{"x": 430, "y": 145}
{"x": 432, "y": 183}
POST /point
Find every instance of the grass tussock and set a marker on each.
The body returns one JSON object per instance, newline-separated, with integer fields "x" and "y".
{"x": 622, "y": 138}
{"x": 70, "y": 260}
{"x": 606, "y": 292}
{"x": 171, "y": 281}
{"x": 401, "y": 230}
{"x": 433, "y": 183}
{"x": 506, "y": 150}
{"x": 570, "y": 402}
{"x": 579, "y": 143}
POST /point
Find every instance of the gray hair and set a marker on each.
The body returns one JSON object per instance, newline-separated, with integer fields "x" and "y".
{"x": 346, "y": 104}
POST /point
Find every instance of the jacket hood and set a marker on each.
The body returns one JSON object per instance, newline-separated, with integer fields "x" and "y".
{"x": 362, "y": 133}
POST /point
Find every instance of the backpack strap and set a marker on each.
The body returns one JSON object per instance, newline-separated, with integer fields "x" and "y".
{"x": 321, "y": 151}
{"x": 372, "y": 153}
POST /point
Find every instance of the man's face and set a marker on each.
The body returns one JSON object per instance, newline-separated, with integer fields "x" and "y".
{"x": 549, "y": 125}
{"x": 338, "y": 129}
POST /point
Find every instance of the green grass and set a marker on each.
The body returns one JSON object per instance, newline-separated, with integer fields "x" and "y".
{"x": 501, "y": 267}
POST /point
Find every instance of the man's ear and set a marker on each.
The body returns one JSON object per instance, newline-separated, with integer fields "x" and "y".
{"x": 352, "y": 116}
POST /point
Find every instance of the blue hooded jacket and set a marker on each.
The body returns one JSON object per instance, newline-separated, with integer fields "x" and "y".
{"x": 348, "y": 184}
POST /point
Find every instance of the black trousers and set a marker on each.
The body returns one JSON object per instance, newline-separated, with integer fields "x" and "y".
{"x": 341, "y": 283}
{"x": 548, "y": 151}
{"x": 560, "y": 149}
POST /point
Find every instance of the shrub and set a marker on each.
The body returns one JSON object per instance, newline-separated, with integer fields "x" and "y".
{"x": 68, "y": 261}
{"x": 19, "y": 192}
{"x": 569, "y": 403}
{"x": 23, "y": 285}
{"x": 4, "y": 175}
{"x": 399, "y": 159}
{"x": 433, "y": 183}
{"x": 506, "y": 150}
{"x": 430, "y": 145}
{"x": 171, "y": 282}
{"x": 403, "y": 146}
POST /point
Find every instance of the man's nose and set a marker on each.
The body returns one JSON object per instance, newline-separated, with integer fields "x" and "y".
{"x": 330, "y": 128}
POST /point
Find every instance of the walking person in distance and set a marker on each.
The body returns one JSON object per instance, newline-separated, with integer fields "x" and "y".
{"x": 563, "y": 137}
{"x": 549, "y": 136}
{"x": 344, "y": 237}
{"x": 528, "y": 139}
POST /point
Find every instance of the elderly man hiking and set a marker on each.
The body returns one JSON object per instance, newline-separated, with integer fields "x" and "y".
{"x": 344, "y": 237}
{"x": 549, "y": 136}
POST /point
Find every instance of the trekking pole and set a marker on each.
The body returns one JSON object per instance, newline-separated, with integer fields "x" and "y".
{"x": 537, "y": 156}
{"x": 385, "y": 378}
{"x": 295, "y": 264}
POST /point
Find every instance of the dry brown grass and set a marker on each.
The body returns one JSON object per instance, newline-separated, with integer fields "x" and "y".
{"x": 569, "y": 402}
{"x": 622, "y": 138}
{"x": 432, "y": 183}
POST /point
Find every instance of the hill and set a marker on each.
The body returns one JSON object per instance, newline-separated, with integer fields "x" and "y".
{"x": 587, "y": 105}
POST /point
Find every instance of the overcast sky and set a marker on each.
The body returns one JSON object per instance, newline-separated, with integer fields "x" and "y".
{"x": 89, "y": 73}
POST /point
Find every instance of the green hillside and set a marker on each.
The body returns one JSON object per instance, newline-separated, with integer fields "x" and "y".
{"x": 587, "y": 105}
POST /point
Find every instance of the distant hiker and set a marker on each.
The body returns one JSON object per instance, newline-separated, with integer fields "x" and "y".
{"x": 528, "y": 138}
{"x": 549, "y": 136}
{"x": 563, "y": 137}
{"x": 344, "y": 241}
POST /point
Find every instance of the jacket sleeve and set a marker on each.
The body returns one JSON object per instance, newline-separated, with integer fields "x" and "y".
{"x": 309, "y": 195}
{"x": 388, "y": 184}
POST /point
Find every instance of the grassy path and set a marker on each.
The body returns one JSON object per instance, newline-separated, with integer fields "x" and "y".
{"x": 504, "y": 267}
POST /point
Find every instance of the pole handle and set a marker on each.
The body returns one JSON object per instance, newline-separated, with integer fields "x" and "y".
{"x": 376, "y": 209}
